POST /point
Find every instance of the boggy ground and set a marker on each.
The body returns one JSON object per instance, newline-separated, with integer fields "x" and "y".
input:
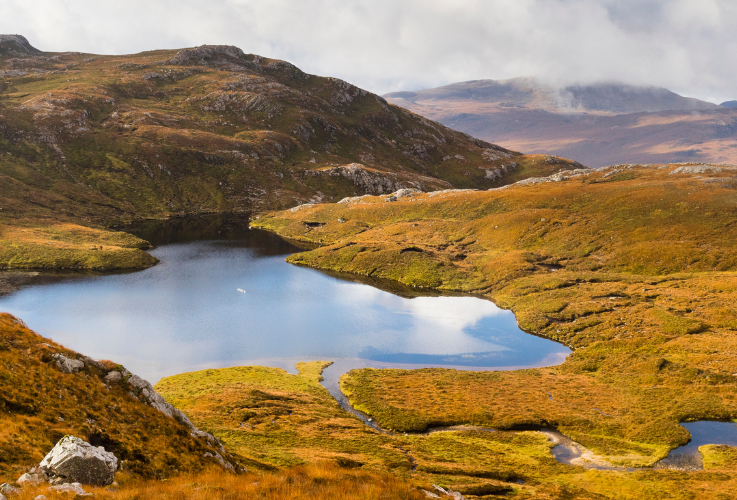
{"x": 292, "y": 436}
{"x": 276, "y": 420}
{"x": 283, "y": 421}
{"x": 632, "y": 266}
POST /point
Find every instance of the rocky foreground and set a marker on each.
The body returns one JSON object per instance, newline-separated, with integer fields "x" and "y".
{"x": 47, "y": 392}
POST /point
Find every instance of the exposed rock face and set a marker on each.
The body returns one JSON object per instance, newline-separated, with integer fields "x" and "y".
{"x": 205, "y": 53}
{"x": 16, "y": 45}
{"x": 697, "y": 169}
{"x": 375, "y": 182}
{"x": 67, "y": 365}
{"x": 558, "y": 177}
{"x": 80, "y": 462}
{"x": 497, "y": 173}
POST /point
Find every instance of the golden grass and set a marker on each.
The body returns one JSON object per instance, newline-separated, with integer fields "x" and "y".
{"x": 319, "y": 481}
{"x": 634, "y": 269}
{"x": 39, "y": 405}
{"x": 69, "y": 246}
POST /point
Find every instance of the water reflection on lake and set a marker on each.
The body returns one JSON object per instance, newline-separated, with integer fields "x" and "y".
{"x": 233, "y": 302}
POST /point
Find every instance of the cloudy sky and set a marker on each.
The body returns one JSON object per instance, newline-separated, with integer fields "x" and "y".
{"x": 688, "y": 46}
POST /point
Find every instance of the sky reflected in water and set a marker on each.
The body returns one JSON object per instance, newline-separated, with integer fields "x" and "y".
{"x": 225, "y": 303}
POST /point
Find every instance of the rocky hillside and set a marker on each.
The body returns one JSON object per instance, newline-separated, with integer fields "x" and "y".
{"x": 96, "y": 140}
{"x": 207, "y": 129}
{"x": 47, "y": 392}
{"x": 598, "y": 125}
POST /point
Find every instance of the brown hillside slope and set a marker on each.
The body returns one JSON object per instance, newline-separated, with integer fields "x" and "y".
{"x": 633, "y": 267}
{"x": 94, "y": 140}
{"x": 39, "y": 404}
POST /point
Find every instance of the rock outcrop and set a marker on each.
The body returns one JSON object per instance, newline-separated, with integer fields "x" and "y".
{"x": 76, "y": 461}
{"x": 140, "y": 389}
{"x": 375, "y": 182}
{"x": 557, "y": 177}
{"x": 16, "y": 45}
{"x": 67, "y": 365}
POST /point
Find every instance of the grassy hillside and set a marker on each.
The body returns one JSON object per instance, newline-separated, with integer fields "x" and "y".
{"x": 632, "y": 266}
{"x": 97, "y": 140}
{"x": 39, "y": 404}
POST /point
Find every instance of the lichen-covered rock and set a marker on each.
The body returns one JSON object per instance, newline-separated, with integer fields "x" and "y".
{"x": 113, "y": 377}
{"x": 32, "y": 478}
{"x": 376, "y": 182}
{"x": 75, "y": 488}
{"x": 7, "y": 489}
{"x": 78, "y": 461}
{"x": 67, "y": 365}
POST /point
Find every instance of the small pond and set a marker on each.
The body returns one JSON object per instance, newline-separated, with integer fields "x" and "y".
{"x": 224, "y": 296}
{"x": 703, "y": 432}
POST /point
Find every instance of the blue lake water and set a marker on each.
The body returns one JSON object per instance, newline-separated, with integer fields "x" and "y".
{"x": 236, "y": 301}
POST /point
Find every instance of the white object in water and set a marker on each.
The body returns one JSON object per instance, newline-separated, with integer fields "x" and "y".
{"x": 241, "y": 290}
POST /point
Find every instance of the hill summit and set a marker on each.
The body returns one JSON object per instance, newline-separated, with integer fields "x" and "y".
{"x": 17, "y": 46}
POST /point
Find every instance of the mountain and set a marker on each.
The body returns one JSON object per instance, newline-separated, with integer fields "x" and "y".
{"x": 599, "y": 124}
{"x": 615, "y": 98}
{"x": 99, "y": 140}
{"x": 729, "y": 104}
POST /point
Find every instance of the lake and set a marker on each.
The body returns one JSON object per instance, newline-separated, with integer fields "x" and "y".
{"x": 232, "y": 300}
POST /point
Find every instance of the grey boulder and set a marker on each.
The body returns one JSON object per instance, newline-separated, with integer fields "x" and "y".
{"x": 75, "y": 488}
{"x": 67, "y": 365}
{"x": 79, "y": 462}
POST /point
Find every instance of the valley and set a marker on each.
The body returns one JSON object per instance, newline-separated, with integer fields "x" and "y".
{"x": 407, "y": 244}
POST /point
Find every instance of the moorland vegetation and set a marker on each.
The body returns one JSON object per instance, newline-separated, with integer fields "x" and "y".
{"x": 631, "y": 266}
{"x": 98, "y": 141}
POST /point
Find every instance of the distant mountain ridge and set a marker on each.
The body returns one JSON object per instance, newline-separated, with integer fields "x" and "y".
{"x": 597, "y": 124}
{"x": 616, "y": 98}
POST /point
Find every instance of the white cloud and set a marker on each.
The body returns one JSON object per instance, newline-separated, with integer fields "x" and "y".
{"x": 385, "y": 45}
